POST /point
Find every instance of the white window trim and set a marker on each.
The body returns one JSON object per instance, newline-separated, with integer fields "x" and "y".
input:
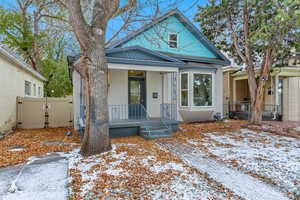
{"x": 34, "y": 89}
{"x": 173, "y": 40}
{"x": 188, "y": 89}
{"x": 40, "y": 91}
{"x": 213, "y": 90}
{"x": 30, "y": 88}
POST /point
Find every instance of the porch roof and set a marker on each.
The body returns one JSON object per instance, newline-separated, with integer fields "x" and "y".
{"x": 136, "y": 55}
{"x": 139, "y": 58}
{"x": 276, "y": 71}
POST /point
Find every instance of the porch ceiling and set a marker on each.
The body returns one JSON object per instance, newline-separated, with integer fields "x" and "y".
{"x": 142, "y": 67}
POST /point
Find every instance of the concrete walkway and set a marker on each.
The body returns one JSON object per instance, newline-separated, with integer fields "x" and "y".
{"x": 45, "y": 178}
{"x": 241, "y": 184}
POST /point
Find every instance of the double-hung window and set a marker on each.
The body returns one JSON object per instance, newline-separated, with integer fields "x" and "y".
{"x": 202, "y": 89}
{"x": 196, "y": 89}
{"x": 173, "y": 40}
{"x": 40, "y": 91}
{"x": 34, "y": 89}
{"x": 184, "y": 93}
{"x": 27, "y": 88}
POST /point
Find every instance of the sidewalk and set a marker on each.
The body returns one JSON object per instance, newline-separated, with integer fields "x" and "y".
{"x": 45, "y": 178}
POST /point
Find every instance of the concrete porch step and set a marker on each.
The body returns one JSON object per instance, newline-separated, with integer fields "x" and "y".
{"x": 145, "y": 128}
{"x": 154, "y": 129}
{"x": 152, "y": 137}
{"x": 157, "y": 132}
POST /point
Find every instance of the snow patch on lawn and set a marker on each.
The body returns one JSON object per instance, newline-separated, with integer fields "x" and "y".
{"x": 117, "y": 168}
{"x": 173, "y": 166}
{"x": 114, "y": 172}
{"x": 245, "y": 131}
{"x": 273, "y": 157}
{"x": 45, "y": 181}
{"x": 297, "y": 128}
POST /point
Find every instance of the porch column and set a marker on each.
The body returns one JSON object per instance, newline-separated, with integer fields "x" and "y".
{"x": 234, "y": 92}
{"x": 174, "y": 94}
{"x": 276, "y": 90}
{"x": 162, "y": 88}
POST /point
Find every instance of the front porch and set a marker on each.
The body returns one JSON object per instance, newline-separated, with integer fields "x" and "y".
{"x": 239, "y": 106}
{"x": 134, "y": 120}
{"x": 141, "y": 102}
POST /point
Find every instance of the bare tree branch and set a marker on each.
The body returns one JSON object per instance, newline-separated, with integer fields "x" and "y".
{"x": 77, "y": 21}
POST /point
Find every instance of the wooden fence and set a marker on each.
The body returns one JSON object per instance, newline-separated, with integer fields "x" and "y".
{"x": 44, "y": 112}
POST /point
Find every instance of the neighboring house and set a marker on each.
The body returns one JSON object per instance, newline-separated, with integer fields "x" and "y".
{"x": 167, "y": 71}
{"x": 282, "y": 92}
{"x": 16, "y": 79}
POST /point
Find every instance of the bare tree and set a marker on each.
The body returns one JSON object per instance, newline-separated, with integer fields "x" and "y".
{"x": 33, "y": 13}
{"x": 90, "y": 29}
{"x": 256, "y": 33}
{"x": 92, "y": 67}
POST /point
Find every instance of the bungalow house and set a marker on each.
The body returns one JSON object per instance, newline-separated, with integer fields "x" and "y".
{"x": 282, "y": 92}
{"x": 165, "y": 72}
{"x": 16, "y": 79}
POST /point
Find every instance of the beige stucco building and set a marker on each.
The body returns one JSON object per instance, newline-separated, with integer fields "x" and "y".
{"x": 16, "y": 79}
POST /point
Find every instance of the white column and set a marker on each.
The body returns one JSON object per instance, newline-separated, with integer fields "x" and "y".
{"x": 276, "y": 90}
{"x": 234, "y": 91}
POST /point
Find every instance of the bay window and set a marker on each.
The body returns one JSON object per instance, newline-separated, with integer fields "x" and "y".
{"x": 202, "y": 89}
{"x": 200, "y": 92}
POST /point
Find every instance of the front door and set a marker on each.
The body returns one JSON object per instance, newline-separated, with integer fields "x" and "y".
{"x": 136, "y": 97}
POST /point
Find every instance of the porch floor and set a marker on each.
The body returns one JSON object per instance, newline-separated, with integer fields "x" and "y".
{"x": 136, "y": 122}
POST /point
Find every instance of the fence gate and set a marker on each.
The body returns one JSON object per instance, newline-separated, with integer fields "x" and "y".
{"x": 44, "y": 112}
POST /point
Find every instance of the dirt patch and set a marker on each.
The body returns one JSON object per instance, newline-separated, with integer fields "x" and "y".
{"x": 33, "y": 142}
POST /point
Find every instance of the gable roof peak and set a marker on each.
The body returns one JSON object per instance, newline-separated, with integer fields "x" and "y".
{"x": 189, "y": 25}
{"x": 155, "y": 21}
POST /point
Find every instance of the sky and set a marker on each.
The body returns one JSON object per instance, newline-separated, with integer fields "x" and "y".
{"x": 188, "y": 8}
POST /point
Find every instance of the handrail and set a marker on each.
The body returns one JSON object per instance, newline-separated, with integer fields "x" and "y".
{"x": 145, "y": 110}
{"x": 119, "y": 112}
{"x": 147, "y": 117}
{"x": 272, "y": 110}
{"x": 167, "y": 107}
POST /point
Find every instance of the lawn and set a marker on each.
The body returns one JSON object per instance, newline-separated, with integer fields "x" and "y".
{"x": 17, "y": 147}
{"x": 139, "y": 169}
{"x": 271, "y": 158}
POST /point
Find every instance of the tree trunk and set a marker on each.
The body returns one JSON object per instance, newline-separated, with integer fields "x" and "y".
{"x": 257, "y": 103}
{"x": 252, "y": 88}
{"x": 93, "y": 69}
{"x": 96, "y": 137}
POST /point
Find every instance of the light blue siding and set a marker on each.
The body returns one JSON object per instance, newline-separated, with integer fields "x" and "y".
{"x": 156, "y": 38}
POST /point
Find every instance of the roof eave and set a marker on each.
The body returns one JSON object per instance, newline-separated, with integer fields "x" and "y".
{"x": 139, "y": 48}
{"x": 24, "y": 66}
